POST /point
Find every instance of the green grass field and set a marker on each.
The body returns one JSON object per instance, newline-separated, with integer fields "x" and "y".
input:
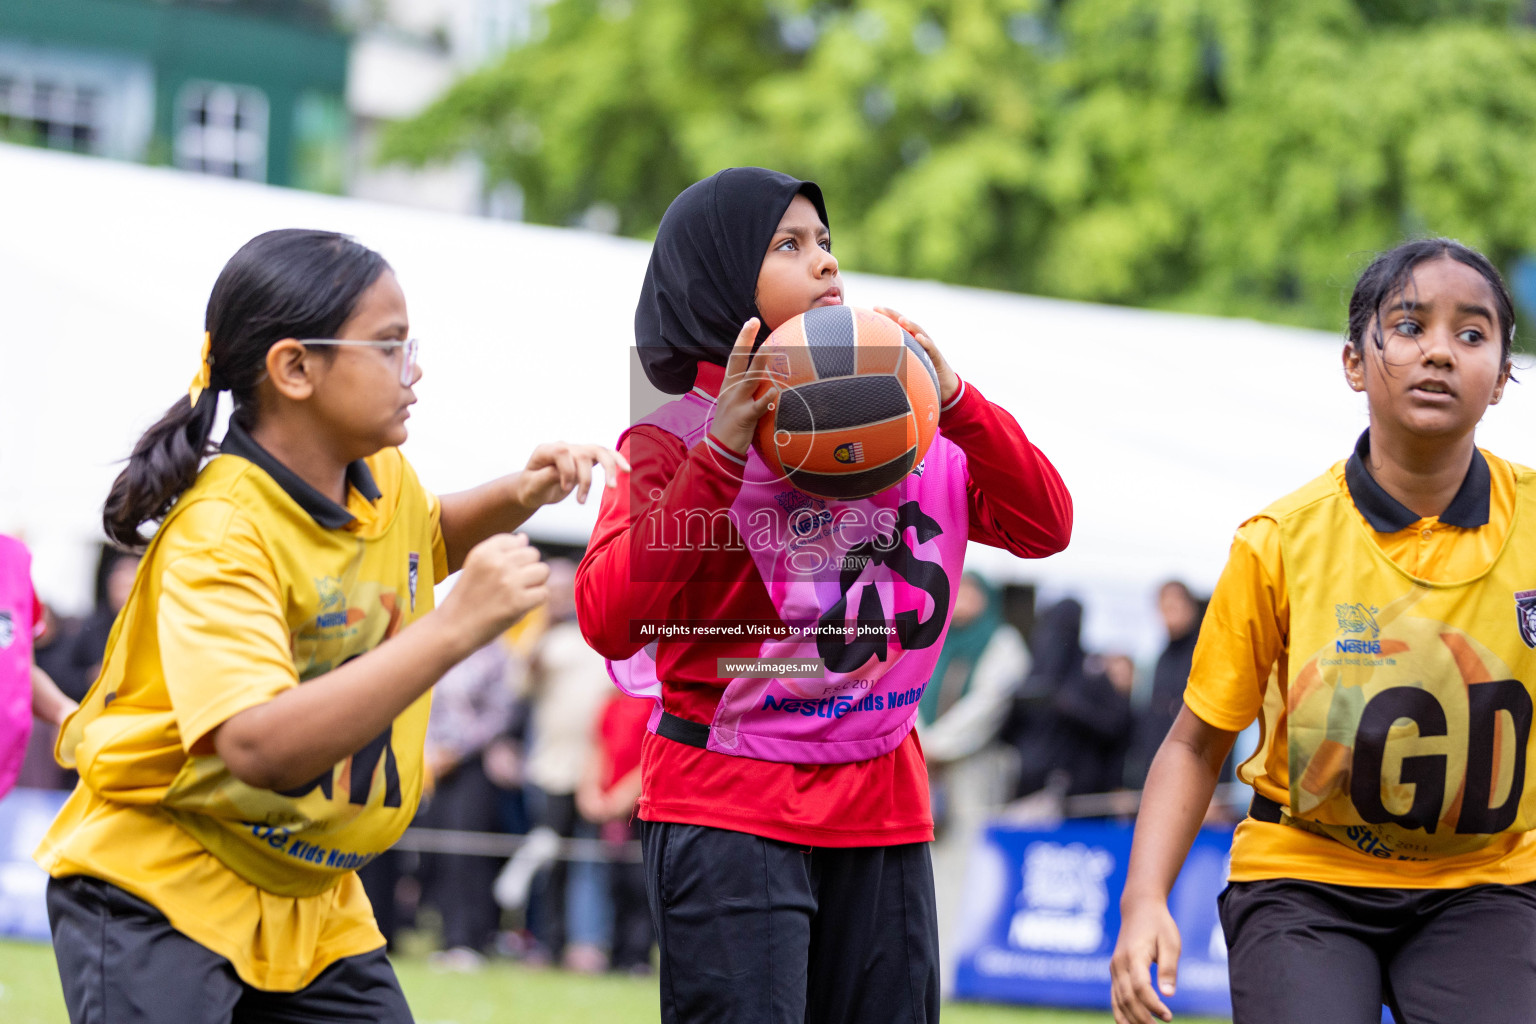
{"x": 29, "y": 994}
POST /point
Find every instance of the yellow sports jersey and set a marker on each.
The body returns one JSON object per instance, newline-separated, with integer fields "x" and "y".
{"x": 254, "y": 583}
{"x": 1390, "y": 660}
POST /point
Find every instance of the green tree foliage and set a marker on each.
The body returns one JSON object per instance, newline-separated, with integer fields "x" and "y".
{"x": 1226, "y": 156}
{"x": 611, "y": 105}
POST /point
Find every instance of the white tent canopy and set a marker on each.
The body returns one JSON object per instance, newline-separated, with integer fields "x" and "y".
{"x": 1168, "y": 429}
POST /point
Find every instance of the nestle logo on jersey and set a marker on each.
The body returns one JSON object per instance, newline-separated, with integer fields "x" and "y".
{"x": 1358, "y": 619}
{"x": 333, "y": 603}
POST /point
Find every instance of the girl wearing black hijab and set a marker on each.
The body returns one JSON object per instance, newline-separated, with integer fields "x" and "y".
{"x": 784, "y": 889}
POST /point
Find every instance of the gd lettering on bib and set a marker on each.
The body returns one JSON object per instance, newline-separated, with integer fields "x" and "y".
{"x": 1409, "y": 703}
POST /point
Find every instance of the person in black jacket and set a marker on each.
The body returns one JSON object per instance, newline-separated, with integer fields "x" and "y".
{"x": 115, "y": 569}
{"x": 1069, "y": 717}
{"x": 1182, "y": 613}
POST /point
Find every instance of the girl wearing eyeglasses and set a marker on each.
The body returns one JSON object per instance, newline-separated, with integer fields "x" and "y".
{"x": 204, "y": 869}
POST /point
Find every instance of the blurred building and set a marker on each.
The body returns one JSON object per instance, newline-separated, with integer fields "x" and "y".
{"x": 287, "y": 92}
{"x": 253, "y": 90}
{"x": 405, "y": 55}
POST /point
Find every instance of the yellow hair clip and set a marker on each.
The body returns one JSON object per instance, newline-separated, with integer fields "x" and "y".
{"x": 204, "y": 375}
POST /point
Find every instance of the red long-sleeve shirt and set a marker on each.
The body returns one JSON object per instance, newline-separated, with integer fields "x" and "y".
{"x": 1017, "y": 502}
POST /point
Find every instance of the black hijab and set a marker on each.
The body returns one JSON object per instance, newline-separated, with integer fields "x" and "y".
{"x": 701, "y": 284}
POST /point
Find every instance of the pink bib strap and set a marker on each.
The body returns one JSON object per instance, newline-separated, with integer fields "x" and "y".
{"x": 18, "y": 620}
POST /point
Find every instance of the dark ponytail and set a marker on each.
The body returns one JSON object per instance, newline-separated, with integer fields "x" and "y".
{"x": 291, "y": 283}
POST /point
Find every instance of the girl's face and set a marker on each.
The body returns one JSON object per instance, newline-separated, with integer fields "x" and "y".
{"x": 970, "y": 602}
{"x": 358, "y": 393}
{"x": 1441, "y": 362}
{"x": 799, "y": 270}
{"x": 120, "y": 581}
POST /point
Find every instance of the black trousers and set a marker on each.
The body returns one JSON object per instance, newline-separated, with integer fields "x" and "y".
{"x": 121, "y": 962}
{"x": 1309, "y": 953}
{"x": 381, "y": 881}
{"x": 460, "y": 886}
{"x": 633, "y": 934}
{"x": 547, "y": 900}
{"x": 754, "y": 931}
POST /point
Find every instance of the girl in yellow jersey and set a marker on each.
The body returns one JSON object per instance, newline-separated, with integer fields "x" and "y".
{"x": 1380, "y": 623}
{"x": 204, "y": 868}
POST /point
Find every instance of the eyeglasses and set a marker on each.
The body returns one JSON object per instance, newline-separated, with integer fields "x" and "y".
{"x": 412, "y": 347}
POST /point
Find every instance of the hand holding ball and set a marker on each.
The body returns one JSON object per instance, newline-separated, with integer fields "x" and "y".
{"x": 857, "y": 405}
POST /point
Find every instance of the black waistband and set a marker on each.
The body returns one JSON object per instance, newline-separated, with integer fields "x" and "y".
{"x": 1262, "y": 808}
{"x": 695, "y": 734}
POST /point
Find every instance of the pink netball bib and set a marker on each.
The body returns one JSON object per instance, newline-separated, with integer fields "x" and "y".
{"x": 18, "y": 618}
{"x": 864, "y": 585}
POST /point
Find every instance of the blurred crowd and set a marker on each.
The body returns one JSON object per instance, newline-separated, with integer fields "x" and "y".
{"x": 529, "y": 737}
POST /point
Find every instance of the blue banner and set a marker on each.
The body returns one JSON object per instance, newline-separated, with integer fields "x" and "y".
{"x": 1041, "y": 912}
{"x": 25, "y": 815}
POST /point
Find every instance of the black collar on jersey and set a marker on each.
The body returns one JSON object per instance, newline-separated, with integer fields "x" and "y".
{"x": 1469, "y": 509}
{"x": 323, "y": 510}
{"x": 701, "y": 282}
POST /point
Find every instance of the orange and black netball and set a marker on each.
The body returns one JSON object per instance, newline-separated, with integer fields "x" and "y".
{"x": 858, "y": 404}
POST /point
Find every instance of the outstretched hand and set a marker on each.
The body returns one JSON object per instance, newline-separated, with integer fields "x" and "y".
{"x": 555, "y": 469}
{"x": 949, "y": 381}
